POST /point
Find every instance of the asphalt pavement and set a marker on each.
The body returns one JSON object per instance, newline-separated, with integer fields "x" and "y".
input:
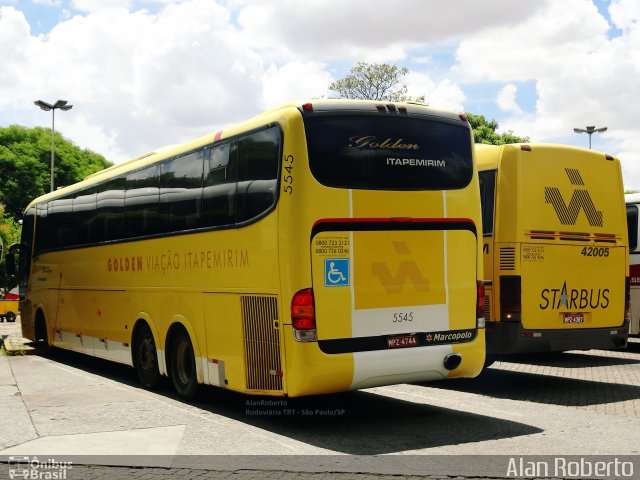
{"x": 562, "y": 407}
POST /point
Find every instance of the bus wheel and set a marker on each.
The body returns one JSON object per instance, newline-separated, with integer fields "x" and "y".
{"x": 11, "y": 317}
{"x": 40, "y": 332}
{"x": 145, "y": 357}
{"x": 183, "y": 365}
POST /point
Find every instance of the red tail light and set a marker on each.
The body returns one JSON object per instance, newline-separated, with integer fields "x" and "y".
{"x": 510, "y": 298}
{"x": 480, "y": 303}
{"x": 303, "y": 312}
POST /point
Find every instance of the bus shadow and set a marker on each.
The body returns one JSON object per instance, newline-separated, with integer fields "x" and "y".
{"x": 571, "y": 359}
{"x": 362, "y": 423}
{"x": 358, "y": 423}
{"x": 543, "y": 389}
{"x": 633, "y": 345}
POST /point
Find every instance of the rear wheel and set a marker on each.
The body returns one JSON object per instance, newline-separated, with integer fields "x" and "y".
{"x": 183, "y": 366}
{"x": 11, "y": 317}
{"x": 40, "y": 332}
{"x": 145, "y": 357}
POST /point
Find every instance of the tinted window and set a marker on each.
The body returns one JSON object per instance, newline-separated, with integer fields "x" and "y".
{"x": 181, "y": 192}
{"x": 632, "y": 225}
{"x": 62, "y": 226}
{"x": 84, "y": 209}
{"x": 218, "y": 202}
{"x": 487, "y": 199}
{"x": 141, "y": 202}
{"x": 42, "y": 228}
{"x": 258, "y": 159}
{"x": 24, "y": 260}
{"x": 109, "y": 210}
{"x": 388, "y": 153}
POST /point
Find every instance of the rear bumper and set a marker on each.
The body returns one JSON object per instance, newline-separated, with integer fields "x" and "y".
{"x": 505, "y": 338}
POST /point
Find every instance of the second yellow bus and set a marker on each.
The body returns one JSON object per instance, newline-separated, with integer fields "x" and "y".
{"x": 555, "y": 248}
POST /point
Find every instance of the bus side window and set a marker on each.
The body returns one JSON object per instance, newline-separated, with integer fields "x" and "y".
{"x": 258, "y": 155}
{"x": 632, "y": 225}
{"x": 219, "y": 193}
{"x": 141, "y": 202}
{"x": 84, "y": 209}
{"x": 109, "y": 211}
{"x": 487, "y": 199}
{"x": 62, "y": 228}
{"x": 42, "y": 228}
{"x": 181, "y": 192}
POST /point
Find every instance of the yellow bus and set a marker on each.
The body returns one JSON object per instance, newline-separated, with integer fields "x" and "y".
{"x": 316, "y": 248}
{"x": 555, "y": 249}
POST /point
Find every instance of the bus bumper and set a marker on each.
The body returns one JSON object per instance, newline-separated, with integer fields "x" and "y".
{"x": 505, "y": 338}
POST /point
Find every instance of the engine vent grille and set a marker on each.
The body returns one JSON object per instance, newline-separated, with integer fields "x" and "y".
{"x": 261, "y": 342}
{"x": 507, "y": 258}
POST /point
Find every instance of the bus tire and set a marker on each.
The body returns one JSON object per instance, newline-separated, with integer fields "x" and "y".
{"x": 489, "y": 360}
{"x": 40, "y": 332}
{"x": 145, "y": 357}
{"x": 183, "y": 365}
{"x": 11, "y": 317}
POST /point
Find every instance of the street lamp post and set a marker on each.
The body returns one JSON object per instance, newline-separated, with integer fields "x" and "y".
{"x": 590, "y": 130}
{"x": 62, "y": 105}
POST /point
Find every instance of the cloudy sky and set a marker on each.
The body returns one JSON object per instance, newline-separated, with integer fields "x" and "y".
{"x": 143, "y": 73}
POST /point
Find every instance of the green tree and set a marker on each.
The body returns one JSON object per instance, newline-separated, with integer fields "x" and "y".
{"x": 484, "y": 131}
{"x": 374, "y": 81}
{"x": 25, "y": 156}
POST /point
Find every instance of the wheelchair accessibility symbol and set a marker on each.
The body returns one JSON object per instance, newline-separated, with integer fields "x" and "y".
{"x": 336, "y": 272}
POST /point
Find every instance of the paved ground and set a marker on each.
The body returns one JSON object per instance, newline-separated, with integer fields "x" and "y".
{"x": 576, "y": 403}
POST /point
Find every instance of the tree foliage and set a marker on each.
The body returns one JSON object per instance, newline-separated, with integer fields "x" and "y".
{"x": 374, "y": 81}
{"x": 484, "y": 131}
{"x": 25, "y": 162}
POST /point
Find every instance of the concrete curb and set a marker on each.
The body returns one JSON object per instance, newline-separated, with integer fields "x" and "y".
{"x": 16, "y": 346}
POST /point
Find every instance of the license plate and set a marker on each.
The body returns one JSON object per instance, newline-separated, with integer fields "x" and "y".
{"x": 573, "y": 317}
{"x": 402, "y": 341}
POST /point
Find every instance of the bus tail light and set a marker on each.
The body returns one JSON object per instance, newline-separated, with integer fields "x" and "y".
{"x": 480, "y": 304}
{"x": 303, "y": 316}
{"x": 510, "y": 298}
{"x": 627, "y": 299}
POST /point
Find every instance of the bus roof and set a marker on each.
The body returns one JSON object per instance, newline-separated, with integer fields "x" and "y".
{"x": 316, "y": 105}
{"x": 488, "y": 156}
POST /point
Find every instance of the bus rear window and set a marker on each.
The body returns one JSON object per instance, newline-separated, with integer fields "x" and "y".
{"x": 388, "y": 153}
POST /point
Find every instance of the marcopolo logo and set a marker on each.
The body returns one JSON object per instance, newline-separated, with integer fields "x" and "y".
{"x": 451, "y": 336}
{"x": 573, "y": 299}
{"x": 580, "y": 201}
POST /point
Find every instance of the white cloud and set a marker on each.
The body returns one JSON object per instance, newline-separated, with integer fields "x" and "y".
{"x": 99, "y": 5}
{"x": 582, "y": 76}
{"x": 295, "y": 81}
{"x": 443, "y": 94}
{"x": 506, "y": 99}
{"x": 330, "y": 29}
{"x": 139, "y": 79}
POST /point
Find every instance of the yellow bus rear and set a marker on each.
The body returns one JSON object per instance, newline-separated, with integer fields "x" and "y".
{"x": 315, "y": 248}
{"x": 555, "y": 248}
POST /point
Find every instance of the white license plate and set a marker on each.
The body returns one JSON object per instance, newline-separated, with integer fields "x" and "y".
{"x": 573, "y": 317}
{"x": 402, "y": 341}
